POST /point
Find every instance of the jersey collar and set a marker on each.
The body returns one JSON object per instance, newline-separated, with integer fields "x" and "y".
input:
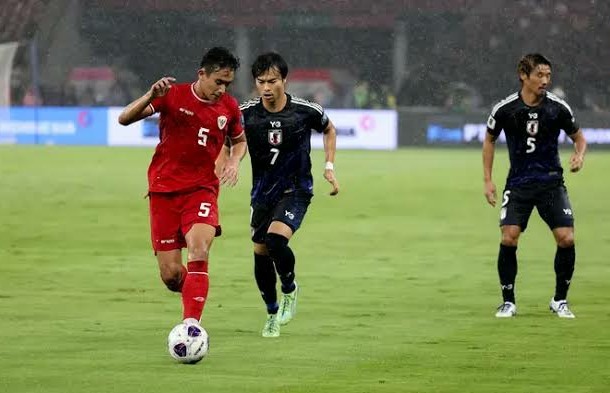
{"x": 197, "y": 97}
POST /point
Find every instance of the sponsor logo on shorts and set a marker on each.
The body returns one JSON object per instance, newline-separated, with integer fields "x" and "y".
{"x": 167, "y": 241}
{"x": 289, "y": 214}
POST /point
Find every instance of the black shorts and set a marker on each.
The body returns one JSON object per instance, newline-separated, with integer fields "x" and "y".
{"x": 551, "y": 200}
{"x": 290, "y": 210}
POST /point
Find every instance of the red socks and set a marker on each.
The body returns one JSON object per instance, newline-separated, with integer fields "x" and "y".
{"x": 195, "y": 289}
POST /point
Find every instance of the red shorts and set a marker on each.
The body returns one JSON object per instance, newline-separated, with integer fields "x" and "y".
{"x": 173, "y": 214}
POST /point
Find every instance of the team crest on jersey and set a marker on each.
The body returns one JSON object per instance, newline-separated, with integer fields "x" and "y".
{"x": 532, "y": 127}
{"x": 222, "y": 122}
{"x": 275, "y": 137}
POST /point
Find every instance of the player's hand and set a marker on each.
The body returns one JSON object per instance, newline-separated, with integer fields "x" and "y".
{"x": 576, "y": 162}
{"x": 162, "y": 86}
{"x": 490, "y": 192}
{"x": 329, "y": 175}
{"x": 221, "y": 161}
{"x": 230, "y": 173}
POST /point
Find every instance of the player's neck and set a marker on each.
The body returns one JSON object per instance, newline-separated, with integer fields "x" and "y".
{"x": 530, "y": 98}
{"x": 276, "y": 106}
{"x": 199, "y": 92}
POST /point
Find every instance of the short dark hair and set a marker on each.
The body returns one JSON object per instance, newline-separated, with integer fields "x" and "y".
{"x": 218, "y": 58}
{"x": 529, "y": 62}
{"x": 267, "y": 61}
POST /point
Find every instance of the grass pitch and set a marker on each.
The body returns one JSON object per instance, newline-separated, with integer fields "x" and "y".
{"x": 397, "y": 274}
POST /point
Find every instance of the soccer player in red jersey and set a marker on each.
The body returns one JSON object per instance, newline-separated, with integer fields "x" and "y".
{"x": 195, "y": 119}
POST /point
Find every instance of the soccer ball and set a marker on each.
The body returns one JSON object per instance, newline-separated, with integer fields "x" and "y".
{"x": 188, "y": 343}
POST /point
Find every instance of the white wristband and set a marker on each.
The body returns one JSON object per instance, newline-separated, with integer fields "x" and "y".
{"x": 329, "y": 166}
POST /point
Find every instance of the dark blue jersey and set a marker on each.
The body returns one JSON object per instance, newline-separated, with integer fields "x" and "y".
{"x": 532, "y": 137}
{"x": 279, "y": 146}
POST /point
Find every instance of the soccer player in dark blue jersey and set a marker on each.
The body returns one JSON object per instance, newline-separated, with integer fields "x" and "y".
{"x": 531, "y": 120}
{"x": 278, "y": 130}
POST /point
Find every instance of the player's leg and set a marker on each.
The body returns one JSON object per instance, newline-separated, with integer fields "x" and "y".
{"x": 556, "y": 211}
{"x": 288, "y": 216}
{"x": 565, "y": 259}
{"x": 195, "y": 289}
{"x": 200, "y": 225}
{"x": 167, "y": 240}
{"x": 514, "y": 215}
{"x": 264, "y": 270}
{"x": 171, "y": 269}
{"x": 264, "y": 274}
{"x": 276, "y": 241}
{"x": 507, "y": 269}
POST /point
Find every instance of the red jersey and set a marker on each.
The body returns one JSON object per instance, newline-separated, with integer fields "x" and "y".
{"x": 192, "y": 133}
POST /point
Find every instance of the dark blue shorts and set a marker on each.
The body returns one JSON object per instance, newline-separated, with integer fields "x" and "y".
{"x": 290, "y": 210}
{"x": 551, "y": 201}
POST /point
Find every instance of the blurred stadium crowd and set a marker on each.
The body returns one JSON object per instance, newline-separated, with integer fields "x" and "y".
{"x": 457, "y": 54}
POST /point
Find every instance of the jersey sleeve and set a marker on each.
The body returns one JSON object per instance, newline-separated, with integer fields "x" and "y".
{"x": 567, "y": 121}
{"x": 494, "y": 122}
{"x": 319, "y": 119}
{"x": 236, "y": 125}
{"x": 159, "y": 104}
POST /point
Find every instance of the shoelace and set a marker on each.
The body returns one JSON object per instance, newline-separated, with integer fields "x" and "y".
{"x": 563, "y": 307}
{"x": 285, "y": 303}
{"x": 271, "y": 324}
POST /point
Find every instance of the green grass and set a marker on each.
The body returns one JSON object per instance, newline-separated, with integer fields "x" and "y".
{"x": 398, "y": 283}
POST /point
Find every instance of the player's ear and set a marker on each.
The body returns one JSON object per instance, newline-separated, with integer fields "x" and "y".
{"x": 201, "y": 72}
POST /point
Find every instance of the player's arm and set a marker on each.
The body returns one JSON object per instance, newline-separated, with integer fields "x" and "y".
{"x": 230, "y": 170}
{"x": 489, "y": 148}
{"x": 568, "y": 123}
{"x": 223, "y": 157}
{"x": 140, "y": 108}
{"x": 580, "y": 147}
{"x": 330, "y": 148}
{"x": 239, "y": 147}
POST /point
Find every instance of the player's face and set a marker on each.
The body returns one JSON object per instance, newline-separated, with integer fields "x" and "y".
{"x": 538, "y": 80}
{"x": 214, "y": 85}
{"x": 270, "y": 85}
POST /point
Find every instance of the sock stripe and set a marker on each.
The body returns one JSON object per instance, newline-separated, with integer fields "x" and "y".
{"x": 204, "y": 273}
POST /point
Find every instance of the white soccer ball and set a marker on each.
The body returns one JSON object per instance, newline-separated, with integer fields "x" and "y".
{"x": 188, "y": 343}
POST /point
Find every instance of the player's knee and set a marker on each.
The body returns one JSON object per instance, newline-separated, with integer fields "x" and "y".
{"x": 172, "y": 278}
{"x": 198, "y": 252}
{"x": 510, "y": 239}
{"x": 260, "y": 249}
{"x": 275, "y": 243}
{"x": 565, "y": 240}
{"x": 173, "y": 283}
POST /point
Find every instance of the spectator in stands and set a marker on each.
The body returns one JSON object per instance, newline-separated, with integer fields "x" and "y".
{"x": 87, "y": 97}
{"x": 361, "y": 95}
{"x": 381, "y": 97}
{"x": 117, "y": 95}
{"x": 31, "y": 98}
{"x": 69, "y": 95}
